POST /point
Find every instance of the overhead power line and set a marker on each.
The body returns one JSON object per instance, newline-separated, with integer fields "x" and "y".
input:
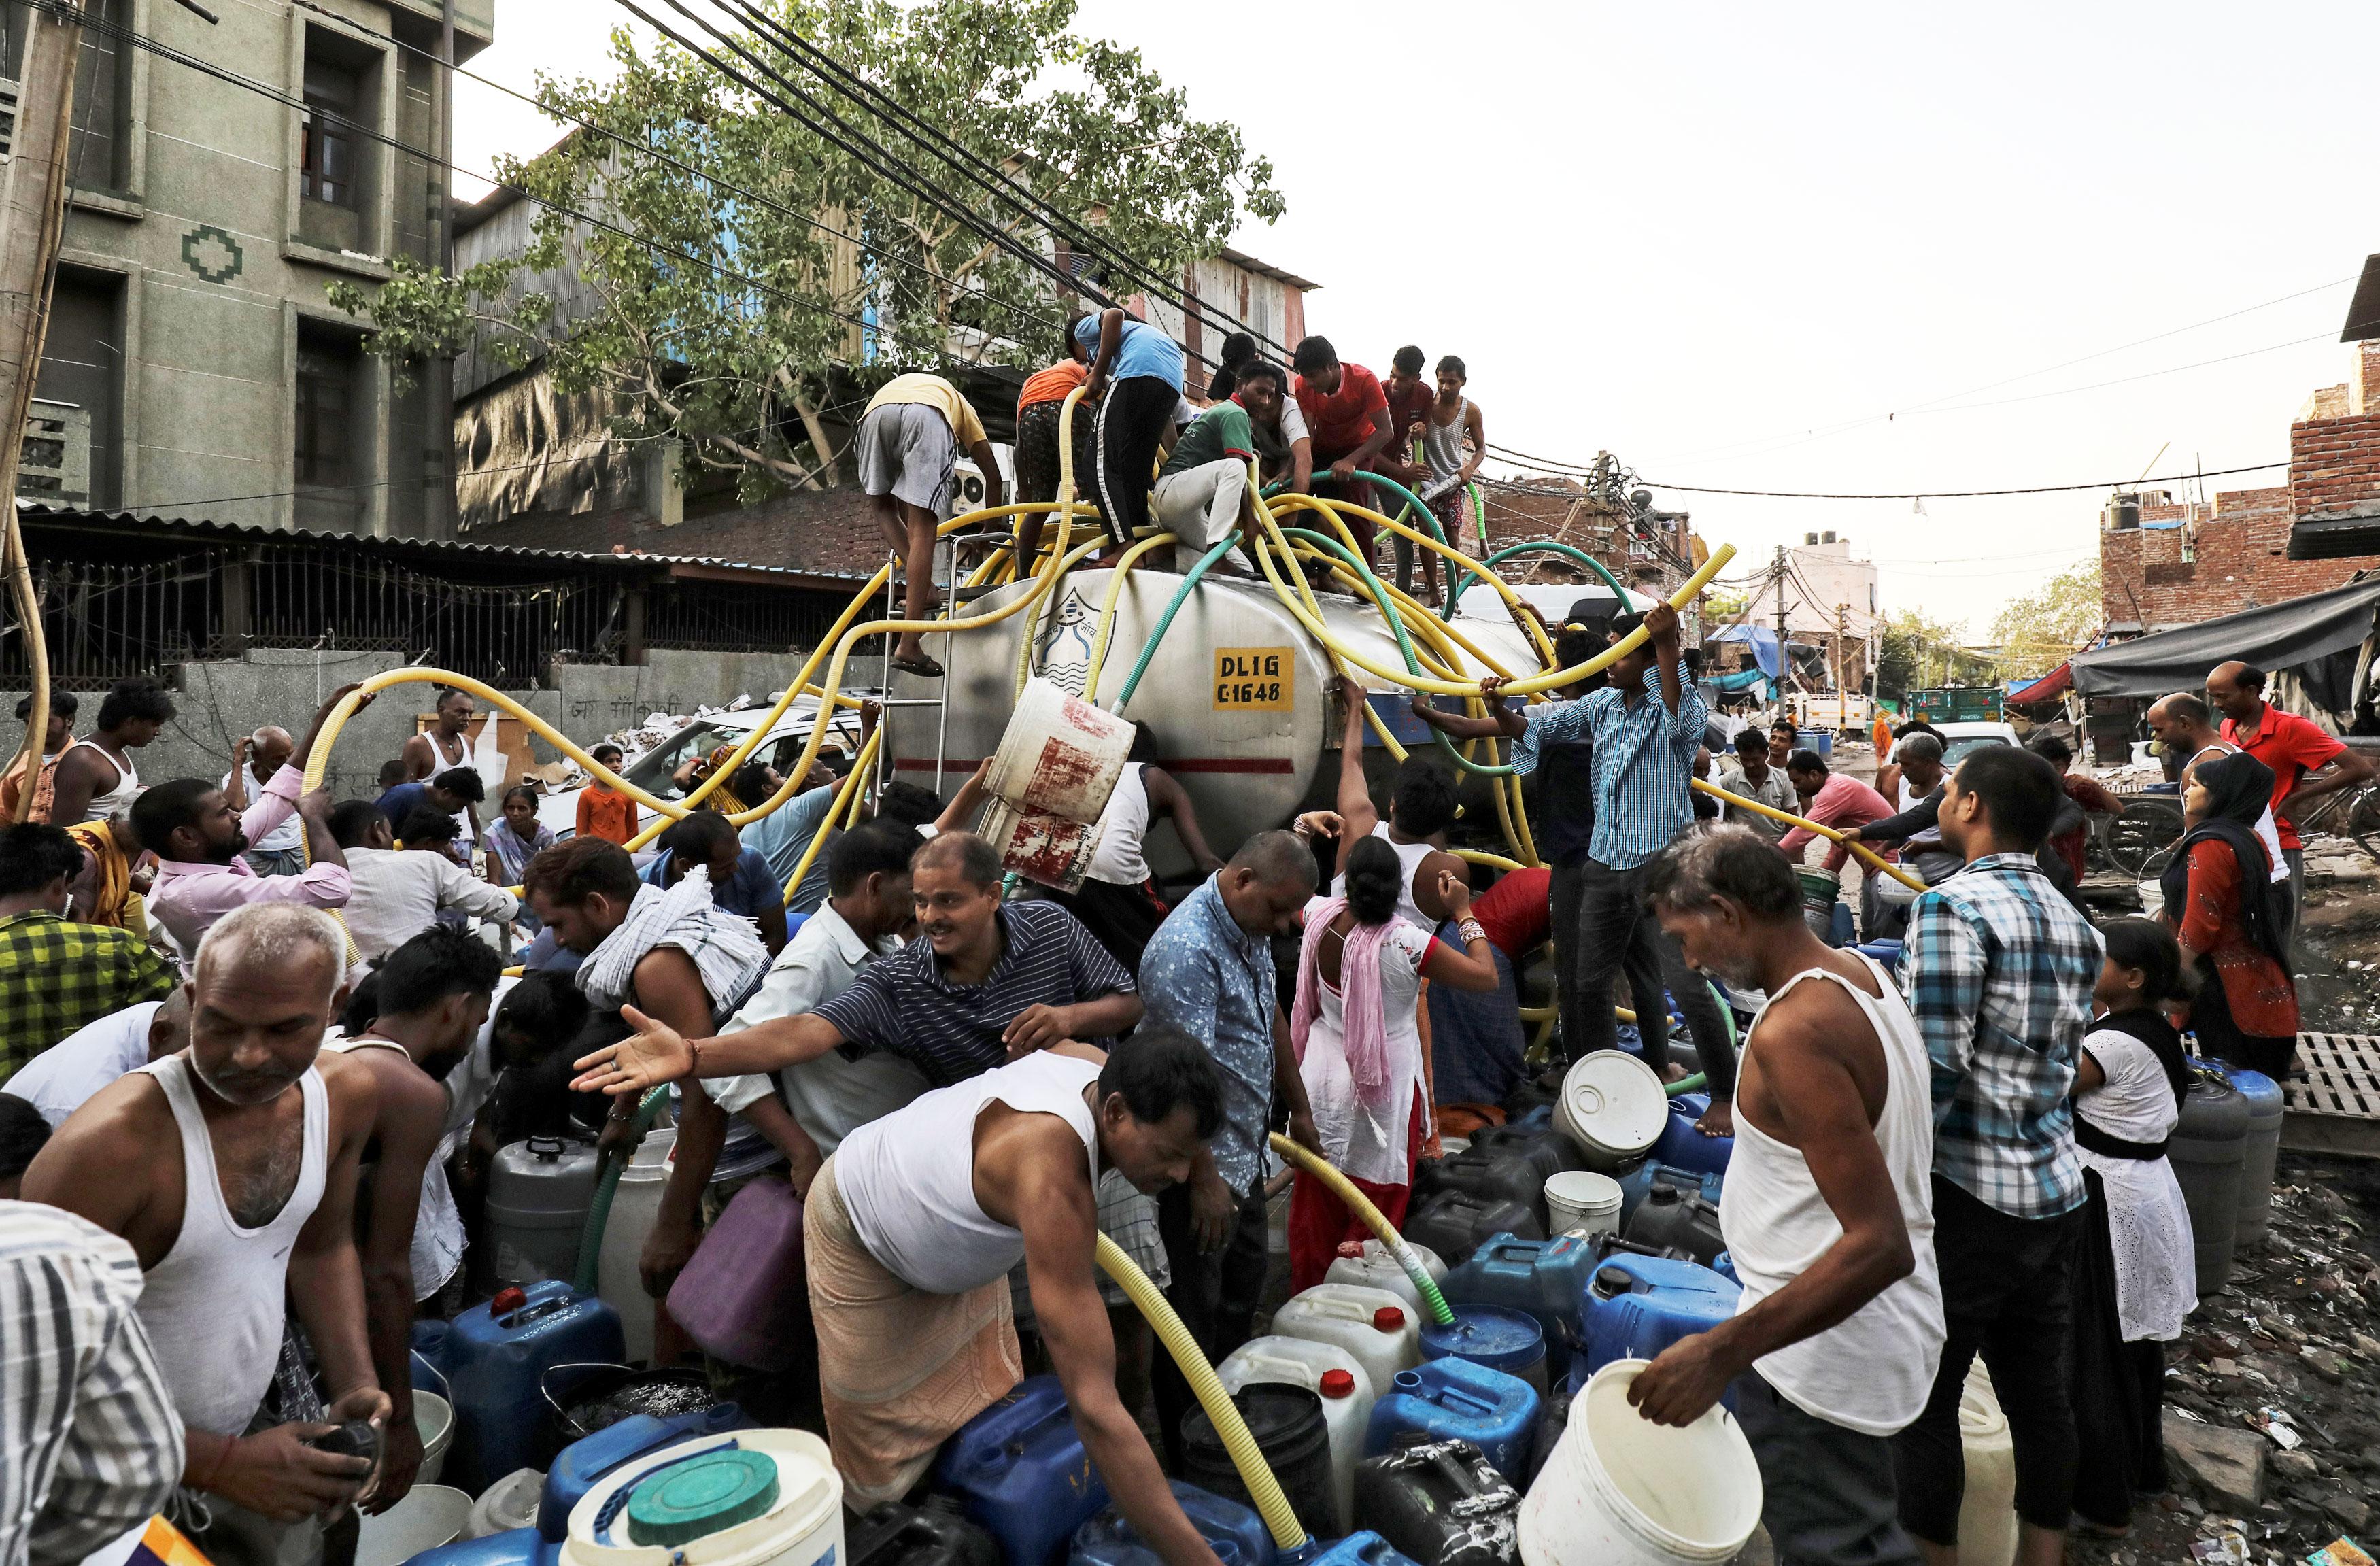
{"x": 1963, "y": 494}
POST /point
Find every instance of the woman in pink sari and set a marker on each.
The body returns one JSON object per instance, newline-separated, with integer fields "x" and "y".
{"x": 1358, "y": 1043}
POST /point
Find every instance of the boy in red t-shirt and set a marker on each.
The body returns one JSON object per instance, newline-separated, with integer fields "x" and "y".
{"x": 2307, "y": 763}
{"x": 601, "y": 812}
{"x": 1347, "y": 417}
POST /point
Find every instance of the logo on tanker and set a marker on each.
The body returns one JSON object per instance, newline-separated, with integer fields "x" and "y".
{"x": 1065, "y": 650}
{"x": 1255, "y": 679}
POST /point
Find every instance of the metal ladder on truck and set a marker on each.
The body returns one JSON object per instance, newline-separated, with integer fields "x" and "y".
{"x": 945, "y": 572}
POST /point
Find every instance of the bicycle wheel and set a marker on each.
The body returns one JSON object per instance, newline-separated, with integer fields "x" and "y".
{"x": 2141, "y": 839}
{"x": 2363, "y": 819}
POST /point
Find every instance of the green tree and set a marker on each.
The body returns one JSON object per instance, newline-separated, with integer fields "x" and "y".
{"x": 740, "y": 375}
{"x": 1913, "y": 652}
{"x": 2041, "y": 630}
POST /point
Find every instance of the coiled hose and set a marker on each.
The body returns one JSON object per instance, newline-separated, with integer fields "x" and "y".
{"x": 1287, "y": 1532}
{"x": 1361, "y": 1206}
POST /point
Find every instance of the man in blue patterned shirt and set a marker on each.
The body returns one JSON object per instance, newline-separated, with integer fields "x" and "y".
{"x": 1999, "y": 969}
{"x": 1644, "y": 728}
{"x": 1208, "y": 972}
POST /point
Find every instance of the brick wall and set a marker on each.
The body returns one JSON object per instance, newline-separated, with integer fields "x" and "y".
{"x": 828, "y": 530}
{"x": 2334, "y": 456}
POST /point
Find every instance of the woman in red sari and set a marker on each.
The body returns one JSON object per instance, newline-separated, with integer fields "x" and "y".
{"x": 2219, "y": 903}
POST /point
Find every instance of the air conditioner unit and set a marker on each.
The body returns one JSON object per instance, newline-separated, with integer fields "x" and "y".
{"x": 967, "y": 492}
{"x": 1809, "y": 538}
{"x": 1826, "y": 537}
{"x": 8, "y": 96}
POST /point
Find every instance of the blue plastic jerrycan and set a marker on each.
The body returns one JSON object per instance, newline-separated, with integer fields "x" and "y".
{"x": 1232, "y": 1531}
{"x": 1636, "y": 1306}
{"x": 1020, "y": 1472}
{"x": 495, "y": 1356}
{"x": 1638, "y": 1183}
{"x": 1363, "y": 1549}
{"x": 1453, "y": 1400}
{"x": 1682, "y": 1147}
{"x": 1546, "y": 1278}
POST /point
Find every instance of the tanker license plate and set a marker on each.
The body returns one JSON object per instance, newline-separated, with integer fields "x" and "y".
{"x": 1254, "y": 678}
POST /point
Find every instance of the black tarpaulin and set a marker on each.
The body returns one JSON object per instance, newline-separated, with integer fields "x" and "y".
{"x": 2284, "y": 636}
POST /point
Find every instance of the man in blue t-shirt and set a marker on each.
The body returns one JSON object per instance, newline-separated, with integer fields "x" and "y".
{"x": 741, "y": 882}
{"x": 1136, "y": 379}
{"x": 454, "y": 791}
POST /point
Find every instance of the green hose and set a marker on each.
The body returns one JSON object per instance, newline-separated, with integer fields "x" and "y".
{"x": 1547, "y": 546}
{"x": 1727, "y": 1017}
{"x": 1165, "y": 622}
{"x": 598, "y": 1211}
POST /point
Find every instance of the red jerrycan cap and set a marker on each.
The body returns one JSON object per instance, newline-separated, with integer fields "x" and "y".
{"x": 1338, "y": 1384}
{"x": 1389, "y": 1318}
{"x": 507, "y": 1301}
{"x": 1352, "y": 1249}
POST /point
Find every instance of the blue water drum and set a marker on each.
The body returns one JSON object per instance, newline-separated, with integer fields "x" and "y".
{"x": 1020, "y": 1472}
{"x": 1724, "y": 1264}
{"x": 1453, "y": 1400}
{"x": 1364, "y": 1548}
{"x": 1637, "y": 1306}
{"x": 495, "y": 1355}
{"x": 1499, "y": 1337}
{"x": 1638, "y": 1183}
{"x": 514, "y": 1546}
{"x": 1233, "y": 1531}
{"x": 1546, "y": 1278}
{"x": 1885, "y": 952}
{"x": 1682, "y": 1147}
{"x": 2264, "y": 1148}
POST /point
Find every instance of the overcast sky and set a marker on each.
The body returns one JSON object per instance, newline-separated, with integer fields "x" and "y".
{"x": 1726, "y": 242}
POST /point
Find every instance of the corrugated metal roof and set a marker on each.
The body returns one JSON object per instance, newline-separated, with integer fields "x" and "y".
{"x": 1248, "y": 262}
{"x": 31, "y": 511}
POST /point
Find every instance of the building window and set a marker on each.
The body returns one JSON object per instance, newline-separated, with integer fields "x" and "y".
{"x": 325, "y": 418}
{"x": 327, "y": 161}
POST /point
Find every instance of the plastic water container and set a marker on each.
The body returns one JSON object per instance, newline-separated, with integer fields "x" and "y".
{"x": 1579, "y": 1201}
{"x": 1372, "y": 1326}
{"x": 1369, "y": 1266}
{"x": 507, "y": 1506}
{"x": 1674, "y": 1219}
{"x": 1059, "y": 756}
{"x": 1546, "y": 1278}
{"x": 636, "y": 1203}
{"x": 1366, "y": 1549}
{"x": 733, "y": 1299}
{"x": 1619, "y": 1490}
{"x": 1331, "y": 1373}
{"x": 1443, "y": 1504}
{"x": 1988, "y": 1520}
{"x": 1822, "y": 893}
{"x": 433, "y": 1420}
{"x": 1552, "y": 1419}
{"x": 1638, "y": 1182}
{"x": 2208, "y": 1150}
{"x": 931, "y": 1535}
{"x": 2263, "y": 1148}
{"x": 1636, "y": 1306}
{"x": 497, "y": 1353}
{"x": 1453, "y": 1400}
{"x": 1292, "y": 1434}
{"x": 1682, "y": 1147}
{"x": 1886, "y": 954}
{"x": 1495, "y": 1336}
{"x": 1612, "y": 1106}
{"x": 583, "y": 1463}
{"x": 1456, "y": 1223}
{"x": 1232, "y": 1531}
{"x": 769, "y": 1498}
{"x": 429, "y": 1516}
{"x": 1019, "y": 1472}
{"x": 539, "y": 1192}
{"x": 1724, "y": 1264}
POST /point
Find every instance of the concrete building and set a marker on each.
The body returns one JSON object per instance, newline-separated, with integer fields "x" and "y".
{"x": 194, "y": 364}
{"x": 2165, "y": 561}
{"x": 1828, "y": 599}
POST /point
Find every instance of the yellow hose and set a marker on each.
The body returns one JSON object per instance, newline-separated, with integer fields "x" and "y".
{"x": 1263, "y": 1488}
{"x": 1867, "y": 855}
{"x": 1375, "y": 1221}
{"x": 1123, "y": 571}
{"x": 849, "y": 794}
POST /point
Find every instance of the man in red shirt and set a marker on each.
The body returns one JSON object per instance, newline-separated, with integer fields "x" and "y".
{"x": 2306, "y": 762}
{"x": 2073, "y": 844}
{"x": 1347, "y": 417}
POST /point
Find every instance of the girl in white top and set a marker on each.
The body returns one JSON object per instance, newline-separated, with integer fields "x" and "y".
{"x": 1358, "y": 1041}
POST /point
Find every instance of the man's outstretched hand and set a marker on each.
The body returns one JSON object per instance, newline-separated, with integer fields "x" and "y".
{"x": 650, "y": 1056}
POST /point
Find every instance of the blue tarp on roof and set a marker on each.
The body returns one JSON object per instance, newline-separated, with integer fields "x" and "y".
{"x": 1763, "y": 645}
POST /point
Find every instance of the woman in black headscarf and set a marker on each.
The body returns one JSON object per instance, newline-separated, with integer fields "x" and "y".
{"x": 2219, "y": 903}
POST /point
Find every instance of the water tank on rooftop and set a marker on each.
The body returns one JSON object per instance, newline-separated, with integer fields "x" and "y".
{"x": 2122, "y": 511}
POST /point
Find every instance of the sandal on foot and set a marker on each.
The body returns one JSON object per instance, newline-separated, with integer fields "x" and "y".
{"x": 922, "y": 666}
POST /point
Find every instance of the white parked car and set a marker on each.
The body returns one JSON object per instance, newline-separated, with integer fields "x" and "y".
{"x": 1958, "y": 739}
{"x": 651, "y": 772}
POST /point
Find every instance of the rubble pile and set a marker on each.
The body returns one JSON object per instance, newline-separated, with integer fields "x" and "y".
{"x": 2273, "y": 1397}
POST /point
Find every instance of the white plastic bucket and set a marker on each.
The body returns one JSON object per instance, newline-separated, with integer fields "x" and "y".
{"x": 636, "y": 1204}
{"x": 430, "y": 1515}
{"x": 1613, "y": 1105}
{"x": 434, "y": 1416}
{"x": 1582, "y": 1200}
{"x": 803, "y": 1526}
{"x": 1375, "y": 1269}
{"x": 1349, "y": 1316}
{"x": 1059, "y": 756}
{"x": 1988, "y": 1533}
{"x": 1346, "y": 1409}
{"x": 1619, "y": 1490}
{"x": 511, "y": 1503}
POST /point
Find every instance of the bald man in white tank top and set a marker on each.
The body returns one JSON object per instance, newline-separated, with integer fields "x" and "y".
{"x": 230, "y": 1168}
{"x": 1828, "y": 1212}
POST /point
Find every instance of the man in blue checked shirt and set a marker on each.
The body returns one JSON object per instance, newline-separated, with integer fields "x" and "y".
{"x": 1644, "y": 728}
{"x": 1998, "y": 968}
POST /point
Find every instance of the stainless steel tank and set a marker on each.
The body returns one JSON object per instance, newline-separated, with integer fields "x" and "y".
{"x": 1237, "y": 692}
